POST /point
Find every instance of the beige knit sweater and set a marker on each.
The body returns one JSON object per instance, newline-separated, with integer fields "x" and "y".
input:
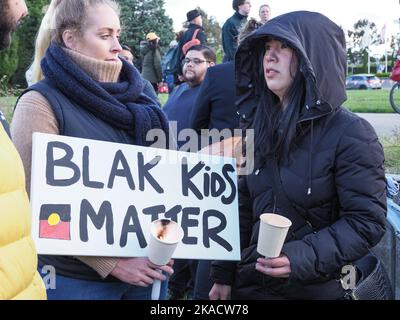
{"x": 34, "y": 114}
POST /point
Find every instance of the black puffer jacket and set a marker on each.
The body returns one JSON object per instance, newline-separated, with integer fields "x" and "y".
{"x": 335, "y": 178}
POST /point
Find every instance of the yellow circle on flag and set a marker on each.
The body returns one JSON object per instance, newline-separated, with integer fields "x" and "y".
{"x": 53, "y": 219}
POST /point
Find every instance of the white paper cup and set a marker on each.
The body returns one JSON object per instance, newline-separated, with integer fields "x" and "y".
{"x": 164, "y": 238}
{"x": 272, "y": 234}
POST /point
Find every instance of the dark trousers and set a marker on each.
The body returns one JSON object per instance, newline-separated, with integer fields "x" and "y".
{"x": 203, "y": 283}
{"x": 181, "y": 282}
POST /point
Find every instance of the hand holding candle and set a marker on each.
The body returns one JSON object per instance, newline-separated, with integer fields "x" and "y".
{"x": 165, "y": 236}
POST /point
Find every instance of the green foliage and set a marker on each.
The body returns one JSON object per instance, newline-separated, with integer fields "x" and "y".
{"x": 9, "y": 63}
{"x": 26, "y": 35}
{"x": 163, "y": 97}
{"x": 139, "y": 17}
{"x": 356, "y": 49}
{"x": 212, "y": 30}
{"x": 7, "y": 106}
{"x": 383, "y": 75}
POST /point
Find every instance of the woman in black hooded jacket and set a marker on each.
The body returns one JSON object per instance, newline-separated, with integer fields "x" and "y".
{"x": 327, "y": 163}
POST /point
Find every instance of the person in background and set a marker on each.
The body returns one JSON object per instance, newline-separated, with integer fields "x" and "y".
{"x": 195, "y": 21}
{"x": 169, "y": 62}
{"x": 215, "y": 109}
{"x": 151, "y": 60}
{"x": 215, "y": 104}
{"x": 316, "y": 163}
{"x": 233, "y": 26}
{"x": 181, "y": 102}
{"x": 126, "y": 54}
{"x": 265, "y": 13}
{"x": 88, "y": 92}
{"x": 19, "y": 278}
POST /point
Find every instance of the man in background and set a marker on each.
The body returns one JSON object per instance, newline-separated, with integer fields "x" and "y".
{"x": 232, "y": 28}
{"x": 181, "y": 102}
{"x": 265, "y": 13}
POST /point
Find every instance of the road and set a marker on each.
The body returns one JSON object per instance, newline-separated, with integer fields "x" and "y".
{"x": 385, "y": 124}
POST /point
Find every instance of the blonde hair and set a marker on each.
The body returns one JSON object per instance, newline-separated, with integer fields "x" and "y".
{"x": 72, "y": 15}
{"x": 61, "y": 15}
{"x": 43, "y": 39}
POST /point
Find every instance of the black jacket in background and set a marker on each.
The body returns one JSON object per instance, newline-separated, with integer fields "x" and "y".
{"x": 334, "y": 177}
{"x": 187, "y": 36}
{"x": 230, "y": 34}
{"x": 215, "y": 104}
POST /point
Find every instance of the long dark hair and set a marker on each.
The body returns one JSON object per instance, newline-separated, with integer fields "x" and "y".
{"x": 275, "y": 127}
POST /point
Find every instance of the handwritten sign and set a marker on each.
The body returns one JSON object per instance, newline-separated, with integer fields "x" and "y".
{"x": 98, "y": 198}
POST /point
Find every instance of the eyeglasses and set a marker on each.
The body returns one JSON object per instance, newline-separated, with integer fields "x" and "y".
{"x": 195, "y": 61}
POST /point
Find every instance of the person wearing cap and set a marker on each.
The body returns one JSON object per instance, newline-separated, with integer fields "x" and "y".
{"x": 151, "y": 60}
{"x": 195, "y": 21}
{"x": 233, "y": 26}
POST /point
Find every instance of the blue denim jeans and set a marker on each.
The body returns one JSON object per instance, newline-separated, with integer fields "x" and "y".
{"x": 67, "y": 288}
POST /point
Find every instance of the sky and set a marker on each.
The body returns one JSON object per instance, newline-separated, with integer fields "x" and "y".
{"x": 344, "y": 12}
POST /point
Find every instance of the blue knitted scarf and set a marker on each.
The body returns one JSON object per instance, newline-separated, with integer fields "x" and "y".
{"x": 122, "y": 104}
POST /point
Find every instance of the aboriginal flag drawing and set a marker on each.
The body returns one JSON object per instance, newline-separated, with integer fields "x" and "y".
{"x": 55, "y": 221}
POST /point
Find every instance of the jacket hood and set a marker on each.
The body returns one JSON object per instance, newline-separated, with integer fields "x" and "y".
{"x": 321, "y": 49}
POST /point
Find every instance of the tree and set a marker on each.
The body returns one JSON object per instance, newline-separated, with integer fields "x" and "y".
{"x": 15, "y": 60}
{"x": 8, "y": 62}
{"x": 139, "y": 17}
{"x": 212, "y": 30}
{"x": 364, "y": 35}
{"x": 26, "y": 35}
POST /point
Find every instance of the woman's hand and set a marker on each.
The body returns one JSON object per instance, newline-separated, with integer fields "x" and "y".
{"x": 140, "y": 271}
{"x": 220, "y": 292}
{"x": 274, "y": 267}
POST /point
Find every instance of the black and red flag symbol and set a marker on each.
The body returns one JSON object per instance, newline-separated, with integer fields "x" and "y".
{"x": 55, "y": 221}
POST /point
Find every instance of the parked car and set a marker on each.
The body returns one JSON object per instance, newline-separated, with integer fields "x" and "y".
{"x": 363, "y": 81}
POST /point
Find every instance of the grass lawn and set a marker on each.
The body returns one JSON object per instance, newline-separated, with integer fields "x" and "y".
{"x": 391, "y": 145}
{"x": 369, "y": 101}
{"x": 163, "y": 98}
{"x": 7, "y": 105}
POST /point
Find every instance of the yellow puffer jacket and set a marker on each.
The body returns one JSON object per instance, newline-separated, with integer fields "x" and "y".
{"x": 19, "y": 278}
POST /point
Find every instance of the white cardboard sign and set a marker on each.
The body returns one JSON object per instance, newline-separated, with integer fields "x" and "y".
{"x": 96, "y": 198}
